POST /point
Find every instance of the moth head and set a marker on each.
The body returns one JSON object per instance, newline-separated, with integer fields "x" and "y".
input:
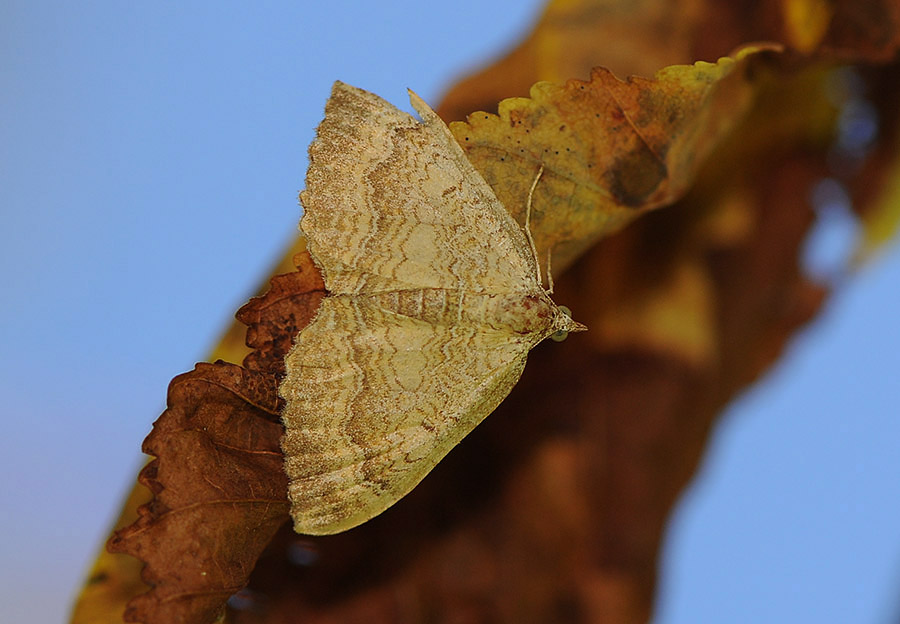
{"x": 563, "y": 324}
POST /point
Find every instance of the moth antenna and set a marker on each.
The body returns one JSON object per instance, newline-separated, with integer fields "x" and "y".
{"x": 549, "y": 273}
{"x": 537, "y": 262}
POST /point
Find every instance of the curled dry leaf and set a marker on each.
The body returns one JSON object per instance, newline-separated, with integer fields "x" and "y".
{"x": 115, "y": 578}
{"x": 220, "y": 494}
{"x": 220, "y": 489}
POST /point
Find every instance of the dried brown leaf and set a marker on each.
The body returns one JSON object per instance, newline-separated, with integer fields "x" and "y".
{"x": 220, "y": 489}
{"x": 116, "y": 578}
{"x": 220, "y": 494}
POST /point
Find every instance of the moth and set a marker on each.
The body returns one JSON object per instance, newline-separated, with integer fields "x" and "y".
{"x": 434, "y": 300}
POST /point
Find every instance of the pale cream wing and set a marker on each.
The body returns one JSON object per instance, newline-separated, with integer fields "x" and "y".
{"x": 376, "y": 399}
{"x": 392, "y": 203}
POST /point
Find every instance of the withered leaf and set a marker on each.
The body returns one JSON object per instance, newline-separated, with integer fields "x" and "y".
{"x": 610, "y": 149}
{"x": 115, "y": 578}
{"x": 220, "y": 494}
{"x": 220, "y": 489}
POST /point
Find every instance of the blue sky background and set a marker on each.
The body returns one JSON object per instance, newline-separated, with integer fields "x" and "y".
{"x": 151, "y": 156}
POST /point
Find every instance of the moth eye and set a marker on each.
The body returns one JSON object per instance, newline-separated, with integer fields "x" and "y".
{"x": 562, "y": 334}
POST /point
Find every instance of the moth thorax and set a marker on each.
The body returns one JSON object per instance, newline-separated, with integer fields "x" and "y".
{"x": 523, "y": 314}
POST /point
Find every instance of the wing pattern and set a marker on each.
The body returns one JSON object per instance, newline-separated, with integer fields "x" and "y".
{"x": 376, "y": 399}
{"x": 392, "y": 203}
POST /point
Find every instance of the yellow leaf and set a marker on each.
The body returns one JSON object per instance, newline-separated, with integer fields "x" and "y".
{"x": 610, "y": 149}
